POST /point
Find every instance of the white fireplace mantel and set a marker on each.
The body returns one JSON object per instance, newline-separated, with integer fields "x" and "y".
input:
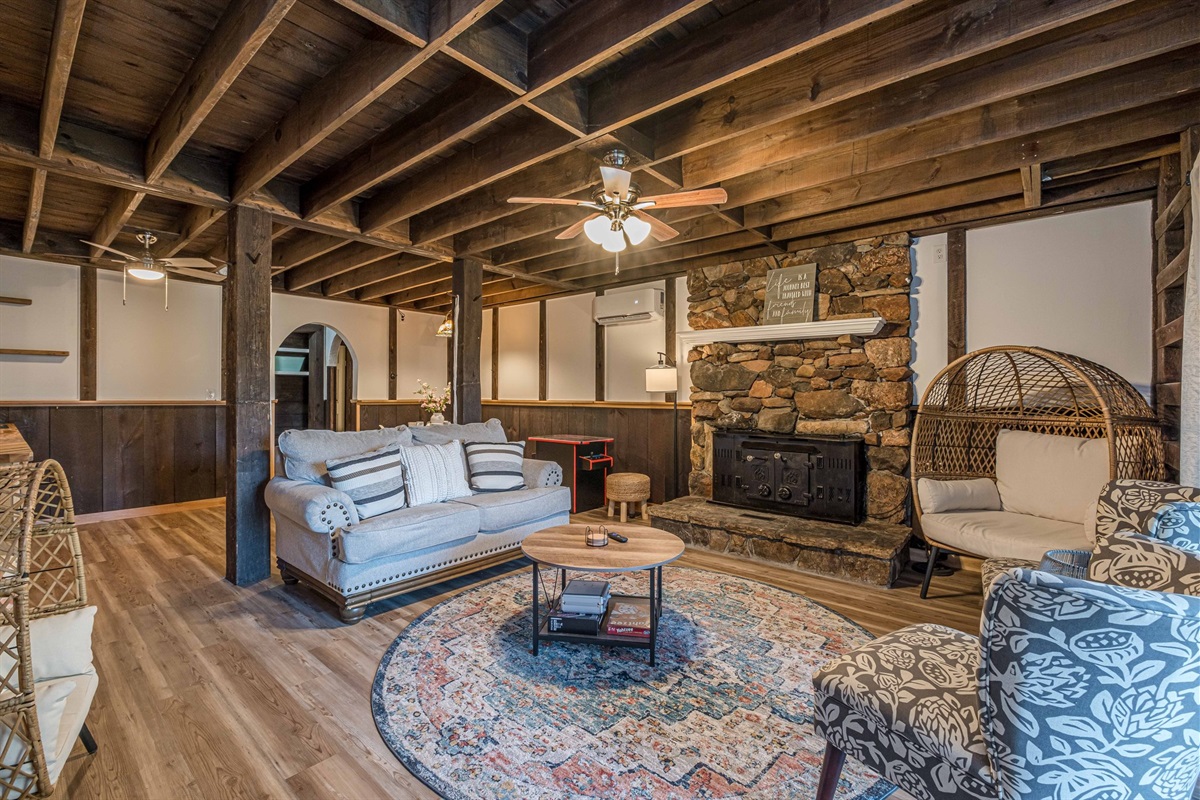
{"x": 827, "y": 329}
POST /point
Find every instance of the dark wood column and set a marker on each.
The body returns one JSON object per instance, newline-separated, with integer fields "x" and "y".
{"x": 393, "y": 347}
{"x": 468, "y": 339}
{"x": 247, "y": 316}
{"x": 543, "y": 367}
{"x": 87, "y": 333}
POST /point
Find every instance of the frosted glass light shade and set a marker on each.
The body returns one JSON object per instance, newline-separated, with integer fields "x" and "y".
{"x": 636, "y": 229}
{"x": 614, "y": 241}
{"x": 662, "y": 379}
{"x": 141, "y": 273}
{"x": 597, "y": 228}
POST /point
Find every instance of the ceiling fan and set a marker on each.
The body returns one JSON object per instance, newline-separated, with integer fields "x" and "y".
{"x": 148, "y": 268}
{"x": 621, "y": 209}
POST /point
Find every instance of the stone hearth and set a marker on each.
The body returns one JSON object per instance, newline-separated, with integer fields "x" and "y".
{"x": 871, "y": 553}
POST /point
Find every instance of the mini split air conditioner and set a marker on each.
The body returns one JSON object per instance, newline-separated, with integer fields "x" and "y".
{"x": 642, "y": 305}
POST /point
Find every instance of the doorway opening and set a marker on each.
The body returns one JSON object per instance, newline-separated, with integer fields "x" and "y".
{"x": 314, "y": 381}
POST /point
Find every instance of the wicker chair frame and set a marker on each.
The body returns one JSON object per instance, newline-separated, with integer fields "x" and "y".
{"x": 1028, "y": 389}
{"x": 41, "y": 574}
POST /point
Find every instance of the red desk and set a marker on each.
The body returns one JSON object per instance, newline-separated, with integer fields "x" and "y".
{"x": 585, "y": 463}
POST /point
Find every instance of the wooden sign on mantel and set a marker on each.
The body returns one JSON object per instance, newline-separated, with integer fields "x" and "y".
{"x": 790, "y": 295}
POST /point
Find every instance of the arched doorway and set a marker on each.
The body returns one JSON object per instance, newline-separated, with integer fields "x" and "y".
{"x": 314, "y": 380}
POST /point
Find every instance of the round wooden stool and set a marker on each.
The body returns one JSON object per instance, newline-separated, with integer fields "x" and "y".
{"x": 626, "y": 488}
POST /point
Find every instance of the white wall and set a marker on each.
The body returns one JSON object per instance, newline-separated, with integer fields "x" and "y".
{"x": 50, "y": 323}
{"x": 420, "y": 356}
{"x": 1080, "y": 283}
{"x": 144, "y": 351}
{"x": 929, "y": 315}
{"x": 485, "y": 356}
{"x": 629, "y": 349}
{"x": 519, "y": 333}
{"x": 571, "y": 348}
{"x": 363, "y": 328}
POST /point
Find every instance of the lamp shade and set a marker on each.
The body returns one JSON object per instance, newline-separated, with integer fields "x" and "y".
{"x": 147, "y": 274}
{"x": 597, "y": 228}
{"x": 662, "y": 378}
{"x": 636, "y": 229}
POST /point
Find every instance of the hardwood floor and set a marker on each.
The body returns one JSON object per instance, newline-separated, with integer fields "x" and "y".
{"x": 209, "y": 690}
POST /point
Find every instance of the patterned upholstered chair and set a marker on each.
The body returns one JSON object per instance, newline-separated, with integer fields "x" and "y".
{"x": 1073, "y": 689}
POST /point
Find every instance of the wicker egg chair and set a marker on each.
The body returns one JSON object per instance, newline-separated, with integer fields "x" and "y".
{"x": 1027, "y": 389}
{"x": 41, "y": 575}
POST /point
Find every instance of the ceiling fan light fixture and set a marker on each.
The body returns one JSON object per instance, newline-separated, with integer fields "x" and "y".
{"x": 143, "y": 273}
{"x": 614, "y": 241}
{"x": 598, "y": 228}
{"x": 636, "y": 229}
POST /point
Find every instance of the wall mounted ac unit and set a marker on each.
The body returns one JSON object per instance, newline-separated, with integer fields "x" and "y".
{"x": 641, "y": 305}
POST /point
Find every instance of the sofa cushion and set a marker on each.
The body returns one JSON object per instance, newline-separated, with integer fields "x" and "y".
{"x": 979, "y": 494}
{"x": 1003, "y": 534}
{"x": 502, "y": 510}
{"x": 305, "y": 452}
{"x": 373, "y": 480}
{"x": 1056, "y": 477}
{"x": 407, "y": 530}
{"x": 495, "y": 466}
{"x": 490, "y": 431}
{"x": 434, "y": 473}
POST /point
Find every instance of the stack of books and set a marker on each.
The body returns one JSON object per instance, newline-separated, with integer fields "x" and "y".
{"x": 581, "y": 608}
{"x": 630, "y": 616}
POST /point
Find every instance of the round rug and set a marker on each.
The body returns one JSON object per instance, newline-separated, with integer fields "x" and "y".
{"x": 726, "y": 713}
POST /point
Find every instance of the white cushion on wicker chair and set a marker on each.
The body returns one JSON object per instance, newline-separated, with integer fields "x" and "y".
{"x": 59, "y": 645}
{"x": 1003, "y": 534}
{"x": 1056, "y": 477}
{"x": 51, "y": 701}
{"x": 978, "y": 494}
{"x": 72, "y": 715}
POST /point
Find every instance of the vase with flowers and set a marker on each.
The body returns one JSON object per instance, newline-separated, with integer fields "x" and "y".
{"x": 433, "y": 401}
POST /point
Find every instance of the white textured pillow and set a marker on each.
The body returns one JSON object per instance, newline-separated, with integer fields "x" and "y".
{"x": 435, "y": 473}
{"x": 977, "y": 494}
{"x": 60, "y": 646}
{"x": 1054, "y": 477}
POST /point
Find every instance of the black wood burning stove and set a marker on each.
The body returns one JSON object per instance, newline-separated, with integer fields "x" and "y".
{"x": 819, "y": 477}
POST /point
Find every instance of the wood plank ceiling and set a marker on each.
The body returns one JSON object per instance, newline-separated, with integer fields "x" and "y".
{"x": 385, "y": 136}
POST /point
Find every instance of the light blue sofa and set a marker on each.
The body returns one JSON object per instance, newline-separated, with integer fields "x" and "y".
{"x": 320, "y": 540}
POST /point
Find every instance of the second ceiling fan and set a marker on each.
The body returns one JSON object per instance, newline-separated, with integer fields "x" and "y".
{"x": 620, "y": 210}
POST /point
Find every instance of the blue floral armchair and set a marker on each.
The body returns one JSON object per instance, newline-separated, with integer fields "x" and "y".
{"x": 1075, "y": 690}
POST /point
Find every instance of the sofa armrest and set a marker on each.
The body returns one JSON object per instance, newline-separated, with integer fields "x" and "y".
{"x": 541, "y": 473}
{"x": 321, "y": 509}
{"x": 1132, "y": 505}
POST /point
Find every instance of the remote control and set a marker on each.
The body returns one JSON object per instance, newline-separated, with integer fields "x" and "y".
{"x": 616, "y": 537}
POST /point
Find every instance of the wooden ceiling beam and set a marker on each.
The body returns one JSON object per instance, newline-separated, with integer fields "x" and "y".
{"x": 33, "y": 208}
{"x": 408, "y": 20}
{"x": 120, "y": 209}
{"x": 396, "y": 291}
{"x": 194, "y": 222}
{"x": 304, "y": 246}
{"x": 494, "y": 49}
{"x": 344, "y": 259}
{"x": 1031, "y": 185}
{"x": 684, "y": 251}
{"x": 1111, "y": 157}
{"x": 393, "y": 267}
{"x": 1124, "y": 38}
{"x": 237, "y": 36}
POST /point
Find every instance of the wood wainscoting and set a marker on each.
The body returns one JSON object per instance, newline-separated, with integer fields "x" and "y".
{"x": 642, "y": 431}
{"x": 127, "y": 455}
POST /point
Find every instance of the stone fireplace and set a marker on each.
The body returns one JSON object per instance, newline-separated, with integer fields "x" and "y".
{"x": 847, "y": 385}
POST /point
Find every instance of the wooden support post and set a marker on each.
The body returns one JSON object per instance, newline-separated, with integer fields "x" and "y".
{"x": 87, "y": 333}
{"x": 543, "y": 372}
{"x": 247, "y": 316}
{"x": 393, "y": 348}
{"x": 496, "y": 353}
{"x": 956, "y": 294}
{"x": 1031, "y": 185}
{"x": 467, "y": 275}
{"x": 600, "y": 373}
{"x": 669, "y": 344}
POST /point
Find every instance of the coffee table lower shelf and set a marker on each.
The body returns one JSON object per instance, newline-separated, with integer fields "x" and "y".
{"x": 603, "y": 639}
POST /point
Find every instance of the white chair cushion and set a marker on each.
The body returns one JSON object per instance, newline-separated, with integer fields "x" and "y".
{"x": 1056, "y": 477}
{"x": 72, "y": 716}
{"x": 51, "y": 701}
{"x": 59, "y": 646}
{"x": 979, "y": 494}
{"x": 1003, "y": 534}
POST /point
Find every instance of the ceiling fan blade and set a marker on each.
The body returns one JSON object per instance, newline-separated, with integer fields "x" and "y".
{"x": 111, "y": 250}
{"x": 576, "y": 229}
{"x": 696, "y": 197}
{"x": 616, "y": 181}
{"x": 197, "y": 273}
{"x": 192, "y": 263}
{"x": 660, "y": 230}
{"x": 549, "y": 201}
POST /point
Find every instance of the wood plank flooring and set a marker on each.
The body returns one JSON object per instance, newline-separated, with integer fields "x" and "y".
{"x": 208, "y": 690}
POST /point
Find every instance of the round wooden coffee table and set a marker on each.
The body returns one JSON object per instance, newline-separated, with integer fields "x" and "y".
{"x": 562, "y": 547}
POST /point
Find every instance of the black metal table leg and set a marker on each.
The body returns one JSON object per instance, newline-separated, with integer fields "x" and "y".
{"x": 653, "y": 614}
{"x": 536, "y": 602}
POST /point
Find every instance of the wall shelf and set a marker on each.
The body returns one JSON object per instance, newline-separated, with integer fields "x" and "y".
{"x": 8, "y": 351}
{"x": 15, "y": 301}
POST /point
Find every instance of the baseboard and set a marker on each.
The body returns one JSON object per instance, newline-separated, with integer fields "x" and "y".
{"x": 148, "y": 511}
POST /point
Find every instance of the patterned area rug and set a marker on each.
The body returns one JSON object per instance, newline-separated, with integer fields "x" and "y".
{"x": 727, "y": 713}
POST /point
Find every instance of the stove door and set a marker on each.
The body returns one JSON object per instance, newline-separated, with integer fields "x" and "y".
{"x": 793, "y": 477}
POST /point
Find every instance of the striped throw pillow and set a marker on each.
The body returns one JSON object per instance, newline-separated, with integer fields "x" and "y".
{"x": 435, "y": 473}
{"x": 373, "y": 480}
{"x": 495, "y": 467}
